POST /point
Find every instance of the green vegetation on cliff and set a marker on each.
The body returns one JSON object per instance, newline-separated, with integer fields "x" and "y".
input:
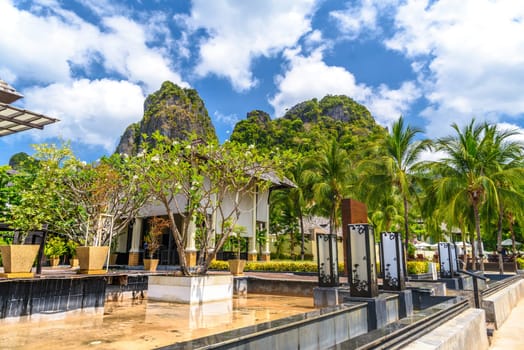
{"x": 175, "y": 112}
{"x": 308, "y": 125}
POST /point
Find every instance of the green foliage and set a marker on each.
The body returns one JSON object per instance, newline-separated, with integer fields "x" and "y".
{"x": 520, "y": 263}
{"x": 306, "y": 126}
{"x": 411, "y": 249}
{"x": 203, "y": 180}
{"x": 72, "y": 196}
{"x": 273, "y": 266}
{"x": 417, "y": 267}
{"x": 55, "y": 247}
{"x": 71, "y": 248}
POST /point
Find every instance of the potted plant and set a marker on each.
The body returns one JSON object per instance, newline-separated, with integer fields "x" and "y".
{"x": 236, "y": 265}
{"x": 54, "y": 248}
{"x": 17, "y": 257}
{"x": 152, "y": 239}
{"x": 71, "y": 253}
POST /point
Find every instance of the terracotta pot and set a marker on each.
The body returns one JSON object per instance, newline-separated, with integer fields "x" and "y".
{"x": 236, "y": 266}
{"x": 74, "y": 262}
{"x": 112, "y": 258}
{"x": 18, "y": 260}
{"x": 92, "y": 259}
{"x": 53, "y": 262}
{"x": 150, "y": 264}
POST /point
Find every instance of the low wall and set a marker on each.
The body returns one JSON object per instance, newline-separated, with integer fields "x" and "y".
{"x": 499, "y": 305}
{"x": 122, "y": 287}
{"x": 260, "y": 285}
{"x": 30, "y": 297}
{"x": 319, "y": 329}
{"x": 466, "y": 331}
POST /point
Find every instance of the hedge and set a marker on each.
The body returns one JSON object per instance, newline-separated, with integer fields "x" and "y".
{"x": 273, "y": 266}
{"x": 417, "y": 267}
{"x": 413, "y": 267}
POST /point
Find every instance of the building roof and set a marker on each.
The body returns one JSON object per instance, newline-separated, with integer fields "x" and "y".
{"x": 8, "y": 94}
{"x": 13, "y": 119}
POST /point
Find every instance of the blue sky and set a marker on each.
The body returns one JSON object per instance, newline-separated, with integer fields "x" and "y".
{"x": 91, "y": 63}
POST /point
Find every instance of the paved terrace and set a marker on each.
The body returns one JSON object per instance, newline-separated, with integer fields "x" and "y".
{"x": 507, "y": 337}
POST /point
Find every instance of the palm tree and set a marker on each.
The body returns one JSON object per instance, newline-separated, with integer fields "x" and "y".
{"x": 467, "y": 172}
{"x": 506, "y": 172}
{"x": 330, "y": 171}
{"x": 294, "y": 202}
{"x": 396, "y": 171}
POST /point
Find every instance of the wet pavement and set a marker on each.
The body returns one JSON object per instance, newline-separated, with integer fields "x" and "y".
{"x": 146, "y": 324}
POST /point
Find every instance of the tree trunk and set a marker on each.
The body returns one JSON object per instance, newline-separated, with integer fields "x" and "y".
{"x": 479, "y": 238}
{"x": 499, "y": 240}
{"x": 474, "y": 251}
{"x": 406, "y": 223}
{"x": 301, "y": 219}
{"x": 512, "y": 230}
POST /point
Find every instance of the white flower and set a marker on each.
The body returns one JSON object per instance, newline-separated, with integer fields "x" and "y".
{"x": 155, "y": 159}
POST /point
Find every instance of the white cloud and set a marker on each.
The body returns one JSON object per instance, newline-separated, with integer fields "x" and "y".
{"x": 388, "y": 105}
{"x": 519, "y": 137}
{"x": 310, "y": 77}
{"x": 90, "y": 112}
{"x": 362, "y": 17}
{"x": 238, "y": 32}
{"x": 470, "y": 56}
{"x": 230, "y": 119}
{"x": 44, "y": 48}
{"x": 125, "y": 51}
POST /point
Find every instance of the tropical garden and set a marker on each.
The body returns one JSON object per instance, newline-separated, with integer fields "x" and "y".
{"x": 474, "y": 186}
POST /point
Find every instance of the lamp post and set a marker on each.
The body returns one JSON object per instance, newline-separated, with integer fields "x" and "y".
{"x": 327, "y": 260}
{"x": 448, "y": 259}
{"x": 392, "y": 261}
{"x": 361, "y": 261}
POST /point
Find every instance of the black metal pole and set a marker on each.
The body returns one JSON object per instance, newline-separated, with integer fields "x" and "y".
{"x": 40, "y": 259}
{"x": 476, "y": 293}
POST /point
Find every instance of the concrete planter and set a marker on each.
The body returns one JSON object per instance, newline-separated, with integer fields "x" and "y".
{"x": 150, "y": 264}
{"x": 18, "y": 260}
{"x": 190, "y": 290}
{"x": 92, "y": 259}
{"x": 236, "y": 266}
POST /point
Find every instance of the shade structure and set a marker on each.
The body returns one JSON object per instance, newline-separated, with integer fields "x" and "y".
{"x": 509, "y": 242}
{"x": 13, "y": 119}
{"x": 8, "y": 94}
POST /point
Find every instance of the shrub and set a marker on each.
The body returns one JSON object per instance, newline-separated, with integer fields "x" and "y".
{"x": 520, "y": 263}
{"x": 274, "y": 266}
{"x": 417, "y": 267}
{"x": 55, "y": 247}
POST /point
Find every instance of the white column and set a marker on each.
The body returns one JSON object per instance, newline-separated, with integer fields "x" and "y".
{"x": 252, "y": 249}
{"x": 135, "y": 239}
{"x": 190, "y": 243}
{"x": 266, "y": 244}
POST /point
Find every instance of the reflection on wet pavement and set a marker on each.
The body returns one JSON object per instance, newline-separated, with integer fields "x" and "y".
{"x": 146, "y": 324}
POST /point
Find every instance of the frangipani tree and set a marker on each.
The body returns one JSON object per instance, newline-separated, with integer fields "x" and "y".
{"x": 205, "y": 184}
{"x": 77, "y": 199}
